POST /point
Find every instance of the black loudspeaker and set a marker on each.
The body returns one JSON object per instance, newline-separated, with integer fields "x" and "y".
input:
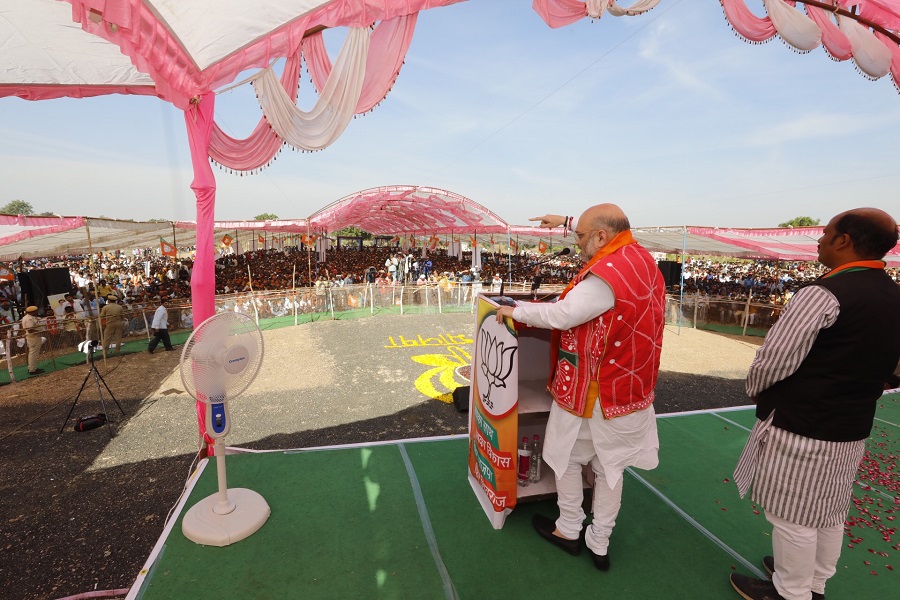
{"x": 671, "y": 272}
{"x": 37, "y": 284}
{"x": 461, "y": 398}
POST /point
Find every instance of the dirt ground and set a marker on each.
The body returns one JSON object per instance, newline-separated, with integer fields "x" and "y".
{"x": 81, "y": 511}
{"x": 62, "y": 522}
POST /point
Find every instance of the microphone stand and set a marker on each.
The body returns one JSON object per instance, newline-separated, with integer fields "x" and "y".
{"x": 537, "y": 263}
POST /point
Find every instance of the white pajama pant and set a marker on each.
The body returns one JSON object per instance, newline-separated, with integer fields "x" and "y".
{"x": 805, "y": 557}
{"x": 570, "y": 495}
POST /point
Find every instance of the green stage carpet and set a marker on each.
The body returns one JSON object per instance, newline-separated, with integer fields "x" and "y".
{"x": 400, "y": 521}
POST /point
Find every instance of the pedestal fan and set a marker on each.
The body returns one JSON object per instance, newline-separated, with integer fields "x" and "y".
{"x": 219, "y": 361}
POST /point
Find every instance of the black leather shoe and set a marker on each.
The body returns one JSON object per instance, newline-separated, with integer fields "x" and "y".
{"x": 769, "y": 566}
{"x": 751, "y": 588}
{"x": 601, "y": 561}
{"x": 545, "y": 528}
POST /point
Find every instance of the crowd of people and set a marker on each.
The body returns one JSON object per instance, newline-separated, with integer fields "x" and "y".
{"x": 284, "y": 269}
{"x": 136, "y": 278}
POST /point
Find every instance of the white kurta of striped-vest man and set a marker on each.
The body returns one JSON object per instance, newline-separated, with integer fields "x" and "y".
{"x": 830, "y": 464}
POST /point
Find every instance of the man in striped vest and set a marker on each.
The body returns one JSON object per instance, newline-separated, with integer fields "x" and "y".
{"x": 816, "y": 381}
{"x": 605, "y": 353}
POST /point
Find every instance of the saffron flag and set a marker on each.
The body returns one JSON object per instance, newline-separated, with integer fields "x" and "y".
{"x": 492, "y": 239}
{"x": 226, "y": 239}
{"x": 433, "y": 242}
{"x": 6, "y": 272}
{"x": 395, "y": 239}
{"x": 514, "y": 245}
{"x": 261, "y": 239}
{"x": 166, "y": 248}
{"x": 542, "y": 247}
{"x": 473, "y": 241}
{"x": 412, "y": 240}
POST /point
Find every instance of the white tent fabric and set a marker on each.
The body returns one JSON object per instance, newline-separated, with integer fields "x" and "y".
{"x": 34, "y": 237}
{"x": 408, "y": 209}
{"x": 336, "y": 104}
{"x": 43, "y": 46}
{"x": 871, "y": 56}
{"x": 210, "y": 30}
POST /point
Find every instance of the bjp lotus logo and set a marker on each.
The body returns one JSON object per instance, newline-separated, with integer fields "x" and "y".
{"x": 496, "y": 363}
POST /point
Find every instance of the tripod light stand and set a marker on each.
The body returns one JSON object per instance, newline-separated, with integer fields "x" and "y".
{"x": 89, "y": 348}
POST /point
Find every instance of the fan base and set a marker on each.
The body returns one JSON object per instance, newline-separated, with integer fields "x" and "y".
{"x": 203, "y": 526}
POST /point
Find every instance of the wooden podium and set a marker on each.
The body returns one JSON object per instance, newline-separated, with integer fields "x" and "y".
{"x": 508, "y": 400}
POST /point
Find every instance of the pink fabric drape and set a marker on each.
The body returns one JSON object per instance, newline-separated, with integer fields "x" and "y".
{"x": 834, "y": 40}
{"x": 559, "y": 13}
{"x": 745, "y": 23}
{"x": 895, "y": 57}
{"x": 388, "y": 47}
{"x": 883, "y": 12}
{"x": 260, "y": 146}
{"x": 154, "y": 50}
{"x": 37, "y": 226}
{"x": 52, "y": 92}
{"x": 199, "y": 120}
{"x": 387, "y": 50}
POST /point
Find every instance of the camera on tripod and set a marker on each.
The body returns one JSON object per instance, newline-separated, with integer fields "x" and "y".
{"x": 94, "y": 421}
{"x": 88, "y": 347}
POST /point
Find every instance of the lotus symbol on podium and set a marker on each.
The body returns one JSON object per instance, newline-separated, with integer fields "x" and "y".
{"x": 496, "y": 364}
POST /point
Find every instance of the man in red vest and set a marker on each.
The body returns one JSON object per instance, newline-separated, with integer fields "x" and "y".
{"x": 816, "y": 382}
{"x": 606, "y": 345}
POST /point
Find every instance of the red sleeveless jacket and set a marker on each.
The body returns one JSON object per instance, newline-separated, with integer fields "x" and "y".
{"x": 621, "y": 348}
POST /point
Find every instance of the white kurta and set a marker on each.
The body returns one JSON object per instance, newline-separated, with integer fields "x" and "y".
{"x": 622, "y": 442}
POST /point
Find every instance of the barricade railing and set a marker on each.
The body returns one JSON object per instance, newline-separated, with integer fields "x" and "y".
{"x": 743, "y": 317}
{"x": 61, "y": 338}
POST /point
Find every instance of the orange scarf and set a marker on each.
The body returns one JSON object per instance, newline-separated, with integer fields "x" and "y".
{"x": 622, "y": 239}
{"x": 856, "y": 264}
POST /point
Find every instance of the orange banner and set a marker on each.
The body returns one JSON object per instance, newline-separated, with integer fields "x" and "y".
{"x": 166, "y": 248}
{"x": 494, "y": 424}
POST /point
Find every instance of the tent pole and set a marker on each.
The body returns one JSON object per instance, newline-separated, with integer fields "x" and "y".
{"x": 294, "y": 292}
{"x": 198, "y": 120}
{"x": 87, "y": 228}
{"x": 681, "y": 287}
{"x": 508, "y": 259}
{"x": 308, "y": 255}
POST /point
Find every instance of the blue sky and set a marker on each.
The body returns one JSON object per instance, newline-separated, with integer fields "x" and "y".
{"x": 667, "y": 114}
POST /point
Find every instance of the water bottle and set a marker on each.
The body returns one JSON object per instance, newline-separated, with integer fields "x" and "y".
{"x": 535, "y": 474}
{"x": 524, "y": 470}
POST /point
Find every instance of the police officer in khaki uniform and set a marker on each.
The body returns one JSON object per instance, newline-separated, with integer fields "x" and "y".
{"x": 111, "y": 314}
{"x": 31, "y": 325}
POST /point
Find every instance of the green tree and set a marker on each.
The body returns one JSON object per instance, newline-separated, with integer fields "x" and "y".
{"x": 157, "y": 220}
{"x": 47, "y": 213}
{"x": 266, "y": 217}
{"x": 17, "y": 207}
{"x": 352, "y": 231}
{"x": 800, "y": 222}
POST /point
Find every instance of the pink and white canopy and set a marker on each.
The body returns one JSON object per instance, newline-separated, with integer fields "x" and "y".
{"x": 35, "y": 237}
{"x": 862, "y": 30}
{"x": 183, "y": 51}
{"x": 799, "y": 243}
{"x": 408, "y": 209}
{"x": 38, "y": 237}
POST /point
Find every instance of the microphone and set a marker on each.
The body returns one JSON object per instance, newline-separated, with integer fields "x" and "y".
{"x": 541, "y": 261}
